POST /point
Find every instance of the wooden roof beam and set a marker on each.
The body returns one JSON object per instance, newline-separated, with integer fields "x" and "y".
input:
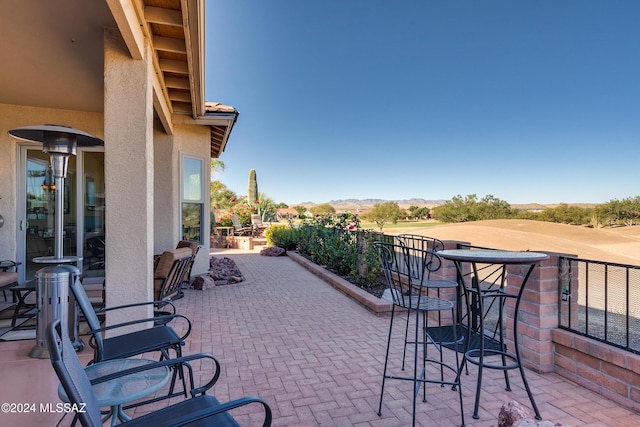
{"x": 168, "y": 44}
{"x": 159, "y": 15}
{"x": 172, "y": 66}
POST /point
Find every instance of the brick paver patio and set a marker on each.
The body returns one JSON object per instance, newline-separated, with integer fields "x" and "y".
{"x": 316, "y": 357}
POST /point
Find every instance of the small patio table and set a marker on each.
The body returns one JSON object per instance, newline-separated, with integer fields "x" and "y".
{"x": 118, "y": 391}
{"x": 475, "y": 294}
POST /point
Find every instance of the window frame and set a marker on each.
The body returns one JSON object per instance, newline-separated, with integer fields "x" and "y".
{"x": 184, "y": 158}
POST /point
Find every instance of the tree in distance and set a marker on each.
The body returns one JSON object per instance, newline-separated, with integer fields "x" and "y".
{"x": 322, "y": 209}
{"x": 382, "y": 213}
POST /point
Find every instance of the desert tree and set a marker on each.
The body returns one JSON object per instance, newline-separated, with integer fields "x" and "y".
{"x": 382, "y": 213}
{"x": 322, "y": 209}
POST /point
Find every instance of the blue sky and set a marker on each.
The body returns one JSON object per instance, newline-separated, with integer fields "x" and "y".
{"x": 529, "y": 101}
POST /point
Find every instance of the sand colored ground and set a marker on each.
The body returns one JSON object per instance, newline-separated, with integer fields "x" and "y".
{"x": 621, "y": 245}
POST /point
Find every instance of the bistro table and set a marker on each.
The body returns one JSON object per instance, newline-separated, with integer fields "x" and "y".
{"x": 476, "y": 289}
{"x": 128, "y": 388}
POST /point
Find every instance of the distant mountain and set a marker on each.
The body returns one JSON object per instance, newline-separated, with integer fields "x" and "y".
{"x": 362, "y": 203}
{"x": 342, "y": 204}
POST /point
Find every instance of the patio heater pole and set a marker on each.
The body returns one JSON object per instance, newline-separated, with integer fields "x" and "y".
{"x": 52, "y": 291}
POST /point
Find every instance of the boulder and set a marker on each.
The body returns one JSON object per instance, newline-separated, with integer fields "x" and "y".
{"x": 272, "y": 251}
{"x": 202, "y": 283}
{"x": 513, "y": 414}
{"x": 224, "y": 271}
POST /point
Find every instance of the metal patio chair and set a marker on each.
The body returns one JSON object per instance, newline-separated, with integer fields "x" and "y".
{"x": 200, "y": 410}
{"x": 170, "y": 270}
{"x": 411, "y": 297}
{"x": 161, "y": 338}
{"x": 422, "y": 273}
{"x": 238, "y": 228}
{"x": 257, "y": 225}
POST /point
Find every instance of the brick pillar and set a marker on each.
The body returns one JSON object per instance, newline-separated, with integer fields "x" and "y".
{"x": 538, "y": 312}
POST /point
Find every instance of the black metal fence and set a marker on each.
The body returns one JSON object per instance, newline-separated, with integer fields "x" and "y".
{"x": 600, "y": 300}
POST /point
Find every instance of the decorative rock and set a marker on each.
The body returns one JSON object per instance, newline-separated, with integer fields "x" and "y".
{"x": 224, "y": 271}
{"x": 514, "y": 414}
{"x": 272, "y": 251}
{"x": 511, "y": 413}
{"x": 202, "y": 283}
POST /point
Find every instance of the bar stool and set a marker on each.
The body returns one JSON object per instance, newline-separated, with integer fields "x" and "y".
{"x": 421, "y": 271}
{"x": 408, "y": 295}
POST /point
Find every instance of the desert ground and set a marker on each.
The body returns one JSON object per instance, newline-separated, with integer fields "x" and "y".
{"x": 618, "y": 245}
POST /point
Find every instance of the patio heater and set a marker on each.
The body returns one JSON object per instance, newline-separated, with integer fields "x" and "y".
{"x": 52, "y": 282}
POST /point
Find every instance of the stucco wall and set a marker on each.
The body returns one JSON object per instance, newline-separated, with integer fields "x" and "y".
{"x": 166, "y": 194}
{"x": 194, "y": 141}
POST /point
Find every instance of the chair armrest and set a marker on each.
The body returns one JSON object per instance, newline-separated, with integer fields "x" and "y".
{"x": 209, "y": 409}
{"x": 170, "y": 363}
{"x": 160, "y": 303}
{"x": 224, "y": 407}
{"x": 162, "y": 319}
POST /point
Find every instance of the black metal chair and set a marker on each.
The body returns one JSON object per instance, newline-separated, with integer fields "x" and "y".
{"x": 422, "y": 272}
{"x": 409, "y": 295}
{"x": 161, "y": 337}
{"x": 200, "y": 410}
{"x": 95, "y": 247}
{"x": 8, "y": 279}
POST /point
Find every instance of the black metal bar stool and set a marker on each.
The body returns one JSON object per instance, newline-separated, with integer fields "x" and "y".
{"x": 410, "y": 296}
{"x": 419, "y": 247}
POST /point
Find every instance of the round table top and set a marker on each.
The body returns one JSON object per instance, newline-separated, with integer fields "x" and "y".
{"x": 54, "y": 260}
{"x": 489, "y": 256}
{"x": 127, "y": 388}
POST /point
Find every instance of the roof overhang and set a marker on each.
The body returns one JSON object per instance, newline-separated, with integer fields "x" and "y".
{"x": 56, "y": 54}
{"x": 220, "y": 119}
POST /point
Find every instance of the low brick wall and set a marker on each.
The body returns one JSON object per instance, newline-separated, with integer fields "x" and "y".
{"x": 376, "y": 305}
{"x": 609, "y": 371}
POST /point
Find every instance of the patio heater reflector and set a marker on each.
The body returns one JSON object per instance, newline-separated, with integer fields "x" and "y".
{"x": 52, "y": 282}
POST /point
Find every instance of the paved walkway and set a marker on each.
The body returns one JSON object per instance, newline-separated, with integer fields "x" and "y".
{"x": 316, "y": 357}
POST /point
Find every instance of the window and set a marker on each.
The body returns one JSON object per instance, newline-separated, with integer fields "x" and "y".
{"x": 192, "y": 199}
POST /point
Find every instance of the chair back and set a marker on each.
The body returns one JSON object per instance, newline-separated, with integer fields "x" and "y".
{"x": 194, "y": 249}
{"x": 422, "y": 253}
{"x": 406, "y": 271}
{"x": 256, "y": 220}
{"x": 396, "y": 268}
{"x": 90, "y": 316}
{"x": 72, "y": 376}
{"x": 170, "y": 272}
{"x": 236, "y": 222}
{"x": 421, "y": 242}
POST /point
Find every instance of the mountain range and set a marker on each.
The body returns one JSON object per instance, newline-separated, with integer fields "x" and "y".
{"x": 363, "y": 203}
{"x": 405, "y": 203}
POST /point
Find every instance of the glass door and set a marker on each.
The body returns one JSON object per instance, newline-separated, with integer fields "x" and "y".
{"x": 83, "y": 216}
{"x": 92, "y": 213}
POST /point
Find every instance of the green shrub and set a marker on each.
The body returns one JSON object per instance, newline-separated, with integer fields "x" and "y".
{"x": 226, "y": 222}
{"x": 331, "y": 242}
{"x": 342, "y": 246}
{"x": 282, "y": 236}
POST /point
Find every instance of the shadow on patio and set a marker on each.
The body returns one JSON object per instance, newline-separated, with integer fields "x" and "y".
{"x": 316, "y": 357}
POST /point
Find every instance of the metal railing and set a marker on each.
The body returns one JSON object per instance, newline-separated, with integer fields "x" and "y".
{"x": 596, "y": 299}
{"x": 600, "y": 300}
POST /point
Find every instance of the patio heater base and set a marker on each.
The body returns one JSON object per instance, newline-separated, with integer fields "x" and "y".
{"x": 52, "y": 290}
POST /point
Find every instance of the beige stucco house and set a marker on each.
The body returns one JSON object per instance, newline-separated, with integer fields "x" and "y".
{"x": 130, "y": 72}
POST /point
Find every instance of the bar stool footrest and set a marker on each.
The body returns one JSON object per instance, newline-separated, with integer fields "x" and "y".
{"x": 473, "y": 356}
